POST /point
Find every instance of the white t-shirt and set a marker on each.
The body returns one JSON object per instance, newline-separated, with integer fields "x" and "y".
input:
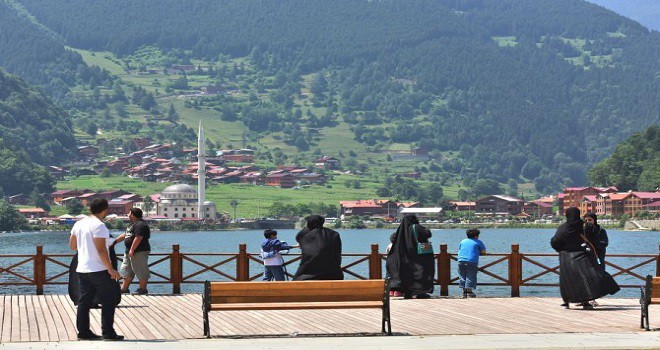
{"x": 85, "y": 231}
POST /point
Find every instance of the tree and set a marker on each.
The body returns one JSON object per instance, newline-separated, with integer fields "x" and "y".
{"x": 234, "y": 204}
{"x": 38, "y": 200}
{"x": 10, "y": 218}
{"x": 74, "y": 206}
{"x": 172, "y": 115}
{"x": 147, "y": 204}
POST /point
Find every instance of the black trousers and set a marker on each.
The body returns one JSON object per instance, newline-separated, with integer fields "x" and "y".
{"x": 97, "y": 283}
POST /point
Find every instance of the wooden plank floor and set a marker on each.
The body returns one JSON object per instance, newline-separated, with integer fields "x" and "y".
{"x": 52, "y": 318}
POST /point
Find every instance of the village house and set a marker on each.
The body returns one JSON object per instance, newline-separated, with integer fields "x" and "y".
{"x": 57, "y": 173}
{"x": 18, "y": 199}
{"x": 58, "y": 196}
{"x": 369, "y": 207}
{"x": 499, "y": 205}
{"x": 88, "y": 152}
{"x": 572, "y": 196}
{"x": 283, "y": 180}
{"x": 33, "y": 213}
{"x": 120, "y": 207}
{"x": 463, "y": 206}
{"x": 327, "y": 163}
{"x": 538, "y": 208}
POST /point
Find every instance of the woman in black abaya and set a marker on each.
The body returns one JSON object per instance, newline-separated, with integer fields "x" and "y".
{"x": 321, "y": 252}
{"x": 581, "y": 278}
{"x": 409, "y": 272}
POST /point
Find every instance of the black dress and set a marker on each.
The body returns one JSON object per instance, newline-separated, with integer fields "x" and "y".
{"x": 409, "y": 272}
{"x": 321, "y": 252}
{"x": 581, "y": 278}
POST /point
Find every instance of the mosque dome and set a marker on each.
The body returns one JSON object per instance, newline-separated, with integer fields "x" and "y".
{"x": 179, "y": 189}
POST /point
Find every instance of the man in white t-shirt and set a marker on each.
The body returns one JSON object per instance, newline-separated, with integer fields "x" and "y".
{"x": 95, "y": 272}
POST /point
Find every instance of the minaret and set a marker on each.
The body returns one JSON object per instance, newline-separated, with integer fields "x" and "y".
{"x": 201, "y": 172}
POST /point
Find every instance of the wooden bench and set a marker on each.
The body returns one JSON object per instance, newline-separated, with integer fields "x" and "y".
{"x": 650, "y": 295}
{"x": 296, "y": 295}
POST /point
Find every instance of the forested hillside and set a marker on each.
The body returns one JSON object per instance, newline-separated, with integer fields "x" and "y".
{"x": 31, "y": 123}
{"x": 510, "y": 90}
{"x": 635, "y": 164}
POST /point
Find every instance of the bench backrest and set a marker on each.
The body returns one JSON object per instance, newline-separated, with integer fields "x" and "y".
{"x": 655, "y": 291}
{"x": 296, "y": 291}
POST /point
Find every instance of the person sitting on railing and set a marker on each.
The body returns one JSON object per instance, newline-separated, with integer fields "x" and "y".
{"x": 321, "y": 252}
{"x": 271, "y": 252}
{"x": 581, "y": 279}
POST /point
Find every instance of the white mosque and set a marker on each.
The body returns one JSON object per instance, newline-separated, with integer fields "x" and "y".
{"x": 182, "y": 201}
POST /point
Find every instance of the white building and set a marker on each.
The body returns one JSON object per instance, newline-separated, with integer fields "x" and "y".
{"x": 181, "y": 201}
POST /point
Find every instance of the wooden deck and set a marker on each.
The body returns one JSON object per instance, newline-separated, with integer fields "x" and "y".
{"x": 52, "y": 318}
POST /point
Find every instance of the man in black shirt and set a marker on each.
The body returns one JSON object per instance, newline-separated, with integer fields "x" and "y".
{"x": 136, "y": 258}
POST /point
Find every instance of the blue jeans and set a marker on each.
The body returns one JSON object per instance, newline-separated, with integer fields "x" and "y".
{"x": 100, "y": 283}
{"x": 274, "y": 273}
{"x": 467, "y": 274}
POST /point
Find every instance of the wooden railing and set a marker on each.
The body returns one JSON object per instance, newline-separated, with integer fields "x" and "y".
{"x": 195, "y": 268}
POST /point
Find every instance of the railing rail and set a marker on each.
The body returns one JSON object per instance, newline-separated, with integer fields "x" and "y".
{"x": 523, "y": 269}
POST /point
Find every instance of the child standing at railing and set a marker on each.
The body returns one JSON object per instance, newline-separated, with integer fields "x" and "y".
{"x": 271, "y": 253}
{"x": 468, "y": 262}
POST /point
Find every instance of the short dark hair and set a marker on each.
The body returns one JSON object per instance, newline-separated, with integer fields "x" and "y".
{"x": 137, "y": 212}
{"x": 269, "y": 233}
{"x": 98, "y": 205}
{"x": 472, "y": 233}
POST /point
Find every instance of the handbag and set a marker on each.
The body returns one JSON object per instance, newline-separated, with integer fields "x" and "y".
{"x": 422, "y": 248}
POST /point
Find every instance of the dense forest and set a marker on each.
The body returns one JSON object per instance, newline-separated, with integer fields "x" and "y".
{"x": 522, "y": 90}
{"x": 634, "y": 165}
{"x": 31, "y": 122}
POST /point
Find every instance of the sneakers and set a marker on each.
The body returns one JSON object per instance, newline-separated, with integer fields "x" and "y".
{"x": 114, "y": 337}
{"x": 140, "y": 292}
{"x": 470, "y": 295}
{"x": 565, "y": 305}
{"x": 125, "y": 291}
{"x": 88, "y": 336}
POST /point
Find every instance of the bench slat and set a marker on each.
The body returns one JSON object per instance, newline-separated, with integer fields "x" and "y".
{"x": 299, "y": 306}
{"x": 249, "y": 298}
{"x": 301, "y": 292}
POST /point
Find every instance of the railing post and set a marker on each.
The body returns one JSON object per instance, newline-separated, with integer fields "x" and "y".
{"x": 657, "y": 263}
{"x": 375, "y": 265}
{"x": 444, "y": 270}
{"x": 242, "y": 264}
{"x": 515, "y": 270}
{"x": 40, "y": 270}
{"x": 176, "y": 269}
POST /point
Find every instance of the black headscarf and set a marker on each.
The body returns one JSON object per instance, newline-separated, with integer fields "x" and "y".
{"x": 321, "y": 252}
{"x": 408, "y": 271}
{"x": 567, "y": 237}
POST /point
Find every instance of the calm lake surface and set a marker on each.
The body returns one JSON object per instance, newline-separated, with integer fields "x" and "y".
{"x": 354, "y": 242}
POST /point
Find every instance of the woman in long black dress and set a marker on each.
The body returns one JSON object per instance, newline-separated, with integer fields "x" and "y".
{"x": 321, "y": 252}
{"x": 581, "y": 278}
{"x": 409, "y": 272}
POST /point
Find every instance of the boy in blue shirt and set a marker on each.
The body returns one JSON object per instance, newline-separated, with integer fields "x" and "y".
{"x": 270, "y": 252}
{"x": 468, "y": 262}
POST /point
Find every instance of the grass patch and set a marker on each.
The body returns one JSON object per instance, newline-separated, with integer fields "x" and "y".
{"x": 505, "y": 41}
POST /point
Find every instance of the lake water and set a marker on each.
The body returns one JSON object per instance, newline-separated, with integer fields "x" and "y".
{"x": 354, "y": 241}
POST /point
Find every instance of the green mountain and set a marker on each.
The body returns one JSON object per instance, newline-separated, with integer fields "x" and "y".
{"x": 634, "y": 165}
{"x": 534, "y": 90}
